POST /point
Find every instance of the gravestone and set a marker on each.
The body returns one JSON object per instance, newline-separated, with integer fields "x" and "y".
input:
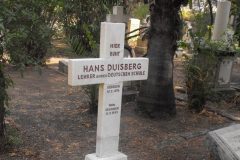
{"x": 219, "y": 33}
{"x": 225, "y": 72}
{"x": 133, "y": 24}
{"x": 224, "y": 143}
{"x": 110, "y": 70}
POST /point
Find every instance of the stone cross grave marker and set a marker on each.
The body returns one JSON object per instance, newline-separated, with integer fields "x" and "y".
{"x": 117, "y": 16}
{"x": 110, "y": 70}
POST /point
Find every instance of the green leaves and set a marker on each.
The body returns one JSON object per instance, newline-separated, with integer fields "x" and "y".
{"x": 82, "y": 20}
{"x": 200, "y": 77}
{"x": 140, "y": 11}
{"x": 27, "y": 35}
{"x": 5, "y": 82}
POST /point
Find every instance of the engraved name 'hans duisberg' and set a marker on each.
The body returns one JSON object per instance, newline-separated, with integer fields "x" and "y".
{"x": 112, "y": 67}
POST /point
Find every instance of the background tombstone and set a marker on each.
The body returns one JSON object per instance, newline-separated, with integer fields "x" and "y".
{"x": 221, "y": 19}
{"x": 224, "y": 143}
{"x": 117, "y": 16}
{"x": 225, "y": 66}
{"x": 225, "y": 72}
{"x": 133, "y": 24}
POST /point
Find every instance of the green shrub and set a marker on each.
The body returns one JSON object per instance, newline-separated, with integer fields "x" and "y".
{"x": 81, "y": 21}
{"x": 5, "y": 82}
{"x": 27, "y": 35}
{"x": 140, "y": 11}
{"x": 200, "y": 75}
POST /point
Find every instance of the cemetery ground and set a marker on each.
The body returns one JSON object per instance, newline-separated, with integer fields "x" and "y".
{"x": 50, "y": 120}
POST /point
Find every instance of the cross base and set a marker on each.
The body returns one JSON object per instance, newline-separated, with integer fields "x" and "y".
{"x": 118, "y": 156}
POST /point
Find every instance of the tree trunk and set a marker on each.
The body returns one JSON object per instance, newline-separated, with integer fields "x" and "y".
{"x": 2, "y": 110}
{"x": 2, "y": 136}
{"x": 157, "y": 93}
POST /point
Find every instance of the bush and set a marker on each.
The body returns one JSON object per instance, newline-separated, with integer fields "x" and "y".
{"x": 27, "y": 35}
{"x": 201, "y": 70}
{"x": 5, "y": 82}
{"x": 200, "y": 78}
{"x": 83, "y": 32}
{"x": 140, "y": 11}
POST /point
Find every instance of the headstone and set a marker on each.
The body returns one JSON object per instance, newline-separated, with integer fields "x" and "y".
{"x": 219, "y": 33}
{"x": 221, "y": 19}
{"x": 110, "y": 70}
{"x": 225, "y": 72}
{"x": 133, "y": 24}
{"x": 224, "y": 143}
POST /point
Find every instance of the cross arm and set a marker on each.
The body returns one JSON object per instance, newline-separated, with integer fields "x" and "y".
{"x": 108, "y": 71}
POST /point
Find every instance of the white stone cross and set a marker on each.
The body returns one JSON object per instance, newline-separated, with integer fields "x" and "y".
{"x": 117, "y": 16}
{"x": 110, "y": 70}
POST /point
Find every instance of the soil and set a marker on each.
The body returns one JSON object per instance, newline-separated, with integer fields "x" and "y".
{"x": 54, "y": 123}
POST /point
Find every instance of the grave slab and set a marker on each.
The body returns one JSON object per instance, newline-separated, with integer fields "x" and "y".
{"x": 224, "y": 144}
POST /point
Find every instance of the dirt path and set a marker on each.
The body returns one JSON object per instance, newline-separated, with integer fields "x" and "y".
{"x": 55, "y": 125}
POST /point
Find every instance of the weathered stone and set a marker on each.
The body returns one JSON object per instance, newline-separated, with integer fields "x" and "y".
{"x": 224, "y": 144}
